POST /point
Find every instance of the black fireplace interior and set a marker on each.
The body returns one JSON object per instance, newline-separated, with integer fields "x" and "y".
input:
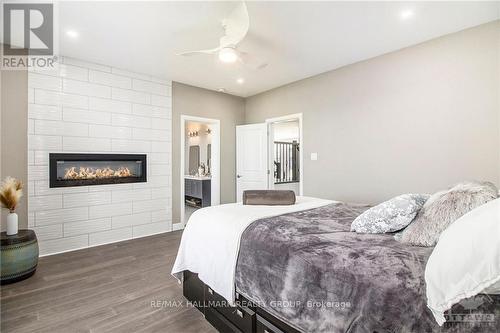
{"x": 96, "y": 169}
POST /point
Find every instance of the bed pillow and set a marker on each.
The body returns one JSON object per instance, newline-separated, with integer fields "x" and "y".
{"x": 465, "y": 261}
{"x": 443, "y": 208}
{"x": 389, "y": 216}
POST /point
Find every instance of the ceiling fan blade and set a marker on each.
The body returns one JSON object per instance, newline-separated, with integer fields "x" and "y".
{"x": 236, "y": 25}
{"x": 251, "y": 61}
{"x": 209, "y": 51}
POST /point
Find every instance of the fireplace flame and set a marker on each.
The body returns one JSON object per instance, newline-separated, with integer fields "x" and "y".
{"x": 91, "y": 173}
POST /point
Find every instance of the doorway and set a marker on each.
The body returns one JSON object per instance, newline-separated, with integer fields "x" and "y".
{"x": 199, "y": 165}
{"x": 285, "y": 154}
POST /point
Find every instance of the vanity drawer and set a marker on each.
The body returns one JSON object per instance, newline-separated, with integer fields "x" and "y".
{"x": 242, "y": 316}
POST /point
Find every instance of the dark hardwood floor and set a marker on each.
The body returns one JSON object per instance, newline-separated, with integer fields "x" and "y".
{"x": 108, "y": 288}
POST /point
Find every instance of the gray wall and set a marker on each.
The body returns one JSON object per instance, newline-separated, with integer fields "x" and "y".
{"x": 230, "y": 110}
{"x": 14, "y": 137}
{"x": 416, "y": 120}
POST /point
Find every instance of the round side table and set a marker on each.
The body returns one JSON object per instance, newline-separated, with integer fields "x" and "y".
{"x": 19, "y": 256}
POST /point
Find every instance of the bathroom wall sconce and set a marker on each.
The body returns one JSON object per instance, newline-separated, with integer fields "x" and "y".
{"x": 193, "y": 134}
{"x": 208, "y": 131}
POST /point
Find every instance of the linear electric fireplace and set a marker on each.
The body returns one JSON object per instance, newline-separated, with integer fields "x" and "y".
{"x": 96, "y": 169}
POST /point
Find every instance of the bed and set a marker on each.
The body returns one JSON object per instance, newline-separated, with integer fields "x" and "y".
{"x": 300, "y": 269}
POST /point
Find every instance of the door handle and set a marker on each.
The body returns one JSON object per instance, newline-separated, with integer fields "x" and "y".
{"x": 239, "y": 176}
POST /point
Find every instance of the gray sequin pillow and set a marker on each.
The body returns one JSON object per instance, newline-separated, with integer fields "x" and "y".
{"x": 390, "y": 216}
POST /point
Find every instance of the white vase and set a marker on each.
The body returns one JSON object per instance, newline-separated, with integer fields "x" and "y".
{"x": 11, "y": 224}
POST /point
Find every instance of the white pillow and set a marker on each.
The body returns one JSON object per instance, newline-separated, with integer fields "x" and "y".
{"x": 466, "y": 260}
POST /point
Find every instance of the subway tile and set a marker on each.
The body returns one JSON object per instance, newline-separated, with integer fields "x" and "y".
{"x": 48, "y": 232}
{"x": 149, "y": 205}
{"x": 38, "y": 172}
{"x": 31, "y": 95}
{"x": 130, "y": 220}
{"x": 160, "y": 170}
{"x": 110, "y": 236}
{"x": 161, "y": 147}
{"x": 63, "y": 245}
{"x": 110, "y": 187}
{"x": 61, "y": 216}
{"x": 47, "y": 112}
{"x": 161, "y": 215}
{"x": 86, "y": 116}
{"x": 130, "y": 74}
{"x": 151, "y": 111}
{"x": 150, "y": 134}
{"x": 30, "y": 191}
{"x": 151, "y": 229}
{"x": 41, "y": 157}
{"x": 162, "y": 124}
{"x": 47, "y": 142}
{"x": 86, "y": 227}
{"x": 86, "y": 199}
{"x": 104, "y": 131}
{"x": 162, "y": 81}
{"x": 162, "y": 101}
{"x": 159, "y": 158}
{"x": 53, "y": 127}
{"x": 110, "y": 79}
{"x": 161, "y": 192}
{"x": 131, "y": 146}
{"x": 62, "y": 99}
{"x": 31, "y": 157}
{"x": 46, "y": 82}
{"x": 158, "y": 181}
{"x": 150, "y": 87}
{"x": 131, "y": 121}
{"x": 45, "y": 202}
{"x": 73, "y": 72}
{"x": 131, "y": 96}
{"x": 31, "y": 219}
{"x": 109, "y": 105}
{"x": 42, "y": 188}
{"x": 86, "y": 144}
{"x": 86, "y": 88}
{"x": 85, "y": 64}
{"x": 110, "y": 210}
{"x": 131, "y": 195}
{"x": 31, "y": 126}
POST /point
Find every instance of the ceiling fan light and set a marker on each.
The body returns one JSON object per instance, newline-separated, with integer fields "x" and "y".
{"x": 228, "y": 55}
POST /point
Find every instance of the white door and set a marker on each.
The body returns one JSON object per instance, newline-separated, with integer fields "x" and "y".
{"x": 251, "y": 158}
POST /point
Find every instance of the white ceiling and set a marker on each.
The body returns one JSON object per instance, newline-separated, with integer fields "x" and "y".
{"x": 297, "y": 39}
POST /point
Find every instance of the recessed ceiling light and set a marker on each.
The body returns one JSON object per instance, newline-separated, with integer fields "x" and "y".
{"x": 222, "y": 90}
{"x": 228, "y": 54}
{"x": 72, "y": 33}
{"x": 406, "y": 14}
{"x": 240, "y": 80}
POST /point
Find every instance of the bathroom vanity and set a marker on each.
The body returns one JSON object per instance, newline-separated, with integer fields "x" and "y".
{"x": 197, "y": 191}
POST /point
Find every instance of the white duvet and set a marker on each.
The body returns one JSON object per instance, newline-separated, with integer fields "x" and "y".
{"x": 211, "y": 240}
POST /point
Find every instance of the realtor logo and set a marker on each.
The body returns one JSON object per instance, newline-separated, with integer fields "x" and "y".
{"x": 28, "y": 29}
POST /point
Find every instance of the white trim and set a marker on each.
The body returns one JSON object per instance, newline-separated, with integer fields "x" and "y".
{"x": 301, "y": 151}
{"x": 215, "y": 182}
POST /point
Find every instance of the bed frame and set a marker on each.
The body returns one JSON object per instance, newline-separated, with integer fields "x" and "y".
{"x": 245, "y": 317}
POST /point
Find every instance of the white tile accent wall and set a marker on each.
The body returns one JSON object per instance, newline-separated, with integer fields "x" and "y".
{"x": 86, "y": 107}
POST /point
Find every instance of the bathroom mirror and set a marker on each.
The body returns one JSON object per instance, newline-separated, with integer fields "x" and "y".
{"x": 209, "y": 155}
{"x": 194, "y": 159}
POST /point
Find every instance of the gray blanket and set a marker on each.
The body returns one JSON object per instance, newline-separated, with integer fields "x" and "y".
{"x": 309, "y": 270}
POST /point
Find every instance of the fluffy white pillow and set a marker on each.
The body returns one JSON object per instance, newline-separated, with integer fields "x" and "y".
{"x": 466, "y": 260}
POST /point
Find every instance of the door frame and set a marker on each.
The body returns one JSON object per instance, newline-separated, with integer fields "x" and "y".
{"x": 215, "y": 180}
{"x": 269, "y": 122}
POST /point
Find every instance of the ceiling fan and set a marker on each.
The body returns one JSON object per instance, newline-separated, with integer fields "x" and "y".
{"x": 235, "y": 26}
